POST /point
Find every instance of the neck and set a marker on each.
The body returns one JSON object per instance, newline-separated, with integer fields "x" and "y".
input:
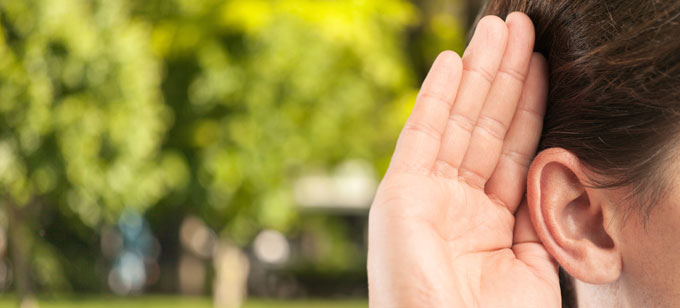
{"x": 591, "y": 295}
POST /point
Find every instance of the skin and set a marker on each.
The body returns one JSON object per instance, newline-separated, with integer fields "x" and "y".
{"x": 468, "y": 215}
{"x": 442, "y": 222}
{"x": 648, "y": 251}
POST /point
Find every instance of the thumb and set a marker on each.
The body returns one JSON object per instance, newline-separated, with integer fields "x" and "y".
{"x": 529, "y": 249}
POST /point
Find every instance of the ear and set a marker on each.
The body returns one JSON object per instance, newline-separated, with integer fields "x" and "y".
{"x": 571, "y": 218}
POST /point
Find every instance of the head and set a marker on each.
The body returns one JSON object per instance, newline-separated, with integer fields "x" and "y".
{"x": 604, "y": 189}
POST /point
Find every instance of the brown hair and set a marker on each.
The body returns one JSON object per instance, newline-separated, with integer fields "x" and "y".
{"x": 614, "y": 97}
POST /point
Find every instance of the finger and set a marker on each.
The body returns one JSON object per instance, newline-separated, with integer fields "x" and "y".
{"x": 529, "y": 249}
{"x": 508, "y": 181}
{"x": 420, "y": 138}
{"x": 524, "y": 231}
{"x": 480, "y": 63}
{"x": 493, "y": 122}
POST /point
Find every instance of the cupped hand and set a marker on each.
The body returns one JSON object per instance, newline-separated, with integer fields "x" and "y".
{"x": 449, "y": 226}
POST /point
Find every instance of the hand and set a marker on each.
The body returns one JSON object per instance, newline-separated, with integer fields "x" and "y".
{"x": 444, "y": 228}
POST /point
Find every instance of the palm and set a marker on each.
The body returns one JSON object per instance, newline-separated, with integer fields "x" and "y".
{"x": 444, "y": 226}
{"x": 483, "y": 241}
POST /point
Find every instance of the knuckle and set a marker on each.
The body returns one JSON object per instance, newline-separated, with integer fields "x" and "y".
{"x": 422, "y": 128}
{"x": 530, "y": 112}
{"x": 513, "y": 74}
{"x": 482, "y": 72}
{"x": 518, "y": 158}
{"x": 465, "y": 123}
{"x": 430, "y": 97}
{"x": 445, "y": 169}
{"x": 493, "y": 127}
{"x": 473, "y": 178}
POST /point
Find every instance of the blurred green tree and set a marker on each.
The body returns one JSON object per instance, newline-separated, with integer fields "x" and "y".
{"x": 208, "y": 107}
{"x": 264, "y": 90}
{"x": 82, "y": 118}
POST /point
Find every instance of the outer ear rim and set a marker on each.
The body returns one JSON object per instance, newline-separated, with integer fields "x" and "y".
{"x": 587, "y": 269}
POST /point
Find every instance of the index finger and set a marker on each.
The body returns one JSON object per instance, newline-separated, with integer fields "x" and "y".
{"x": 481, "y": 61}
{"x": 420, "y": 138}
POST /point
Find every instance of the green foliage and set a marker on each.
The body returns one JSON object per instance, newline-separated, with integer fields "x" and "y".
{"x": 265, "y": 89}
{"x": 81, "y": 108}
{"x": 209, "y": 107}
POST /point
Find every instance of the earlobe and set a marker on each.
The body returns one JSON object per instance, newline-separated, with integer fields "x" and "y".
{"x": 570, "y": 217}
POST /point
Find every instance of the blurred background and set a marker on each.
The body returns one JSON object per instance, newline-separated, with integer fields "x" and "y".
{"x": 200, "y": 153}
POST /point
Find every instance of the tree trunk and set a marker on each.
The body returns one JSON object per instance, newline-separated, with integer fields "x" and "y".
{"x": 19, "y": 244}
{"x": 231, "y": 276}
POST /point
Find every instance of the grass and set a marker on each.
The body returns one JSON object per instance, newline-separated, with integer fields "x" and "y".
{"x": 178, "y": 301}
